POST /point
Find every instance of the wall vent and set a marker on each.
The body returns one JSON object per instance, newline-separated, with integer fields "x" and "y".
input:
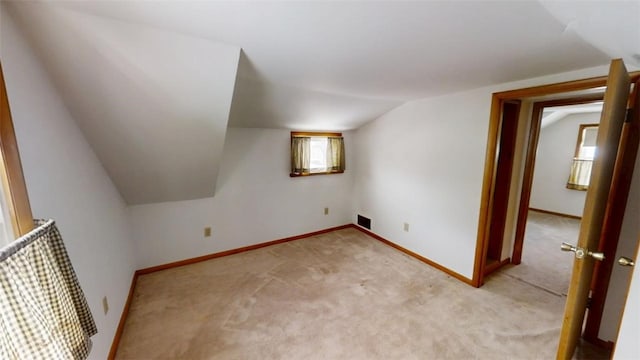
{"x": 364, "y": 222}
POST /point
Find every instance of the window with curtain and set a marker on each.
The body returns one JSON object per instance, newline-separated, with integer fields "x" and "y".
{"x": 317, "y": 153}
{"x": 580, "y": 173}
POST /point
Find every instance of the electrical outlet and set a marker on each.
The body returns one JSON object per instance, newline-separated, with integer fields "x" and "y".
{"x": 207, "y": 231}
{"x": 105, "y": 305}
{"x": 326, "y": 211}
{"x": 406, "y": 227}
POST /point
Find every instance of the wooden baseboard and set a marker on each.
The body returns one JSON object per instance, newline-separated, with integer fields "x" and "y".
{"x": 127, "y": 305}
{"x": 125, "y": 311}
{"x": 556, "y": 213}
{"x": 123, "y": 319}
{"x": 489, "y": 268}
{"x": 236, "y": 251}
{"x": 609, "y": 345}
{"x": 419, "y": 257}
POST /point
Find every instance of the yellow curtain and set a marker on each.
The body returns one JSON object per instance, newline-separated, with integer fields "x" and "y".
{"x": 580, "y": 174}
{"x": 300, "y": 155}
{"x": 335, "y": 154}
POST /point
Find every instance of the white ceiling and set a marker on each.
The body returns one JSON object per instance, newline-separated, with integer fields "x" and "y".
{"x": 304, "y": 65}
{"x": 553, "y": 114}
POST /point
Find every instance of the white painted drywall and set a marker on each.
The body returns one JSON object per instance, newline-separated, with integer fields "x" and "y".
{"x": 556, "y": 149}
{"x": 620, "y": 275}
{"x": 423, "y": 162}
{"x": 66, "y": 182}
{"x": 153, "y": 104}
{"x": 628, "y": 346}
{"x": 256, "y": 201}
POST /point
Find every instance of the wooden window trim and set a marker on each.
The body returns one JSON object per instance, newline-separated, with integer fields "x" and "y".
{"x": 315, "y": 134}
{"x": 580, "y": 135}
{"x": 317, "y": 173}
{"x": 576, "y": 153}
{"x": 14, "y": 186}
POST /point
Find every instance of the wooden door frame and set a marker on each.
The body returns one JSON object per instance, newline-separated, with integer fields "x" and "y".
{"x": 504, "y": 174}
{"x": 488, "y": 183}
{"x": 527, "y": 178}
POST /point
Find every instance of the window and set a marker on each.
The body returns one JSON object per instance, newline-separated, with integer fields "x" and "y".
{"x": 316, "y": 153}
{"x": 585, "y": 152}
{"x": 16, "y": 208}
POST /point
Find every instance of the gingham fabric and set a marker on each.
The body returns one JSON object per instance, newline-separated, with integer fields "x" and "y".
{"x": 43, "y": 312}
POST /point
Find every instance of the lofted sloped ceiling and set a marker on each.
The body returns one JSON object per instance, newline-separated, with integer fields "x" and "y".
{"x": 154, "y": 84}
{"x": 153, "y": 104}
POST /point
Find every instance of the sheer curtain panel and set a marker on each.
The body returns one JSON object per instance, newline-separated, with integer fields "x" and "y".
{"x": 335, "y": 154}
{"x": 300, "y": 155}
{"x": 580, "y": 174}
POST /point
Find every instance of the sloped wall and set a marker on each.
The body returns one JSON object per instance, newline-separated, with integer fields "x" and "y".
{"x": 66, "y": 182}
{"x": 154, "y": 104}
{"x": 256, "y": 201}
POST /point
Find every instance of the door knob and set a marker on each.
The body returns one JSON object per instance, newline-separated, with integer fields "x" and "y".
{"x": 625, "y": 261}
{"x": 580, "y": 252}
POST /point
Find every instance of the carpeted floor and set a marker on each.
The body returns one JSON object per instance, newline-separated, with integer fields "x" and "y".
{"x": 341, "y": 295}
{"x": 543, "y": 264}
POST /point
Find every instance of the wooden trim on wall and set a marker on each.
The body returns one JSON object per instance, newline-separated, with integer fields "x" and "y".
{"x": 559, "y": 88}
{"x": 317, "y": 173}
{"x": 314, "y": 133}
{"x": 125, "y": 311}
{"x": 504, "y": 173}
{"x": 527, "y": 183}
{"x": 137, "y": 273}
{"x": 123, "y": 318}
{"x": 414, "y": 255}
{"x": 568, "y": 216}
{"x": 581, "y": 128}
{"x": 14, "y": 186}
{"x": 236, "y": 251}
{"x": 609, "y": 345}
{"x": 486, "y": 201}
{"x": 496, "y": 265}
{"x": 488, "y": 181}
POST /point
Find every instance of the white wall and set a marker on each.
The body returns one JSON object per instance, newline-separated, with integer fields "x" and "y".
{"x": 556, "y": 149}
{"x": 627, "y": 346}
{"x": 621, "y": 275}
{"x": 423, "y": 163}
{"x": 255, "y": 201}
{"x": 417, "y": 164}
{"x": 66, "y": 182}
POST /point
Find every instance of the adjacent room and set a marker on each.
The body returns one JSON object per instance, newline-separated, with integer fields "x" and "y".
{"x": 565, "y": 150}
{"x": 319, "y": 179}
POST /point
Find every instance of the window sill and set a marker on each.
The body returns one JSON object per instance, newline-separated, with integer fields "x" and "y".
{"x": 316, "y": 173}
{"x": 577, "y": 187}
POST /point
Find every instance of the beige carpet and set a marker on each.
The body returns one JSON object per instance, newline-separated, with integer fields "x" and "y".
{"x": 543, "y": 264}
{"x": 341, "y": 295}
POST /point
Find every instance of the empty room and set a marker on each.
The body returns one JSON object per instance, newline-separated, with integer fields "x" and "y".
{"x": 319, "y": 179}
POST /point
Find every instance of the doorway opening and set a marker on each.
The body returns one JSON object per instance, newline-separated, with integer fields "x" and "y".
{"x": 487, "y": 239}
{"x": 550, "y": 207}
